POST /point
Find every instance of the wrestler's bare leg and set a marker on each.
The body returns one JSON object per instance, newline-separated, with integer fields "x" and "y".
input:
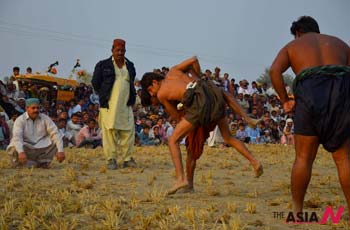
{"x": 190, "y": 167}
{"x": 305, "y": 154}
{"x": 240, "y": 147}
{"x": 341, "y": 158}
{"x": 181, "y": 130}
{"x": 232, "y": 103}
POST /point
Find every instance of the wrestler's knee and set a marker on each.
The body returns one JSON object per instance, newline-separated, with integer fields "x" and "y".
{"x": 172, "y": 140}
{"x": 303, "y": 160}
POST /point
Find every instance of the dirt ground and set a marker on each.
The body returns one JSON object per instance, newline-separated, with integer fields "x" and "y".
{"x": 82, "y": 194}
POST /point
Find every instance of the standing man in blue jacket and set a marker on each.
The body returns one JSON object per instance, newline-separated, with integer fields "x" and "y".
{"x": 113, "y": 81}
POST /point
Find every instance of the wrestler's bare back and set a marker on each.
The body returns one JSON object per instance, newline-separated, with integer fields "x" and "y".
{"x": 313, "y": 49}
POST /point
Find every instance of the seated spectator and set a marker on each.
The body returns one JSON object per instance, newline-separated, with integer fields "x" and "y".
{"x": 86, "y": 103}
{"x": 85, "y": 118}
{"x": 170, "y": 131}
{"x": 91, "y": 111}
{"x": 266, "y": 138}
{"x": 275, "y": 114}
{"x": 281, "y": 126}
{"x": 60, "y": 107}
{"x": 243, "y": 87}
{"x": 72, "y": 104}
{"x": 89, "y": 135}
{"x": 66, "y": 136}
{"x": 160, "y": 124}
{"x": 74, "y": 125}
{"x": 4, "y": 133}
{"x": 157, "y": 137}
{"x": 254, "y": 113}
{"x": 266, "y": 116}
{"x": 268, "y": 122}
{"x": 35, "y": 139}
{"x": 7, "y": 106}
{"x": 287, "y": 137}
{"x": 261, "y": 126}
{"x": 63, "y": 115}
{"x": 290, "y": 124}
{"x": 275, "y": 133}
{"x": 144, "y": 138}
{"x": 11, "y": 122}
{"x": 21, "y": 102}
{"x": 254, "y": 88}
{"x": 242, "y": 102}
{"x": 139, "y": 124}
{"x": 241, "y": 134}
{"x": 253, "y": 134}
{"x": 233, "y": 128}
{"x": 33, "y": 91}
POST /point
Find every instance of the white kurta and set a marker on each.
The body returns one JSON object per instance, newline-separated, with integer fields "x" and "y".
{"x": 118, "y": 116}
{"x": 37, "y": 134}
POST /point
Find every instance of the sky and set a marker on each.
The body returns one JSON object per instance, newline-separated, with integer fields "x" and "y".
{"x": 242, "y": 37}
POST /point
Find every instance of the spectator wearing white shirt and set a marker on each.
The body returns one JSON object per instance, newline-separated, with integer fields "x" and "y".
{"x": 79, "y": 107}
{"x": 74, "y": 125}
{"x": 66, "y": 136}
{"x": 35, "y": 139}
{"x": 243, "y": 87}
{"x": 254, "y": 88}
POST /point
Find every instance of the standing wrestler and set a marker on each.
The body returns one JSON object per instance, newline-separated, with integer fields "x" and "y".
{"x": 322, "y": 102}
{"x": 204, "y": 104}
{"x": 113, "y": 81}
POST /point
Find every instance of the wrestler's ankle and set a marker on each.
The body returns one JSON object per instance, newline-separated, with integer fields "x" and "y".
{"x": 181, "y": 181}
{"x": 255, "y": 163}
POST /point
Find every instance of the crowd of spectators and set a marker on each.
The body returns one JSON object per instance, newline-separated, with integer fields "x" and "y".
{"x": 77, "y": 119}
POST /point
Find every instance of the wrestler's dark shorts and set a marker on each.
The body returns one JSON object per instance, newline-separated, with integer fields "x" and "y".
{"x": 323, "y": 108}
{"x": 204, "y": 104}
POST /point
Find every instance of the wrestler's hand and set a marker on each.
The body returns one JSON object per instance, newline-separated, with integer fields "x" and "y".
{"x": 288, "y": 106}
{"x": 22, "y": 158}
{"x": 60, "y": 156}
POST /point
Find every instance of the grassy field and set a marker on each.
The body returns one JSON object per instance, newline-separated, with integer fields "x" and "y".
{"x": 82, "y": 194}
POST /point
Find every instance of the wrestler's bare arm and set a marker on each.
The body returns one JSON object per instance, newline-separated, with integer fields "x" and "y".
{"x": 171, "y": 109}
{"x": 278, "y": 67}
{"x": 190, "y": 65}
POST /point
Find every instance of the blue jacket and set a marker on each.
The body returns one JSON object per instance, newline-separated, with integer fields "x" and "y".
{"x": 104, "y": 77}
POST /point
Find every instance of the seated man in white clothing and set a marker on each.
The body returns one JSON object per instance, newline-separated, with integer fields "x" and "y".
{"x": 74, "y": 125}
{"x": 66, "y": 136}
{"x": 35, "y": 139}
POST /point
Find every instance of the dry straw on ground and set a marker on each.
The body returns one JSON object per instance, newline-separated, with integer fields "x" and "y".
{"x": 82, "y": 194}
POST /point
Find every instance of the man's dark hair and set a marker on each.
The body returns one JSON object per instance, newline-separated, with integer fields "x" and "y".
{"x": 304, "y": 24}
{"x": 16, "y": 68}
{"x": 146, "y": 82}
{"x": 77, "y": 114}
{"x": 91, "y": 120}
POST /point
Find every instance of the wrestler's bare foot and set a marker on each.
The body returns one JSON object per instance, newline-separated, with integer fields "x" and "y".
{"x": 186, "y": 189}
{"x": 177, "y": 186}
{"x": 258, "y": 169}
